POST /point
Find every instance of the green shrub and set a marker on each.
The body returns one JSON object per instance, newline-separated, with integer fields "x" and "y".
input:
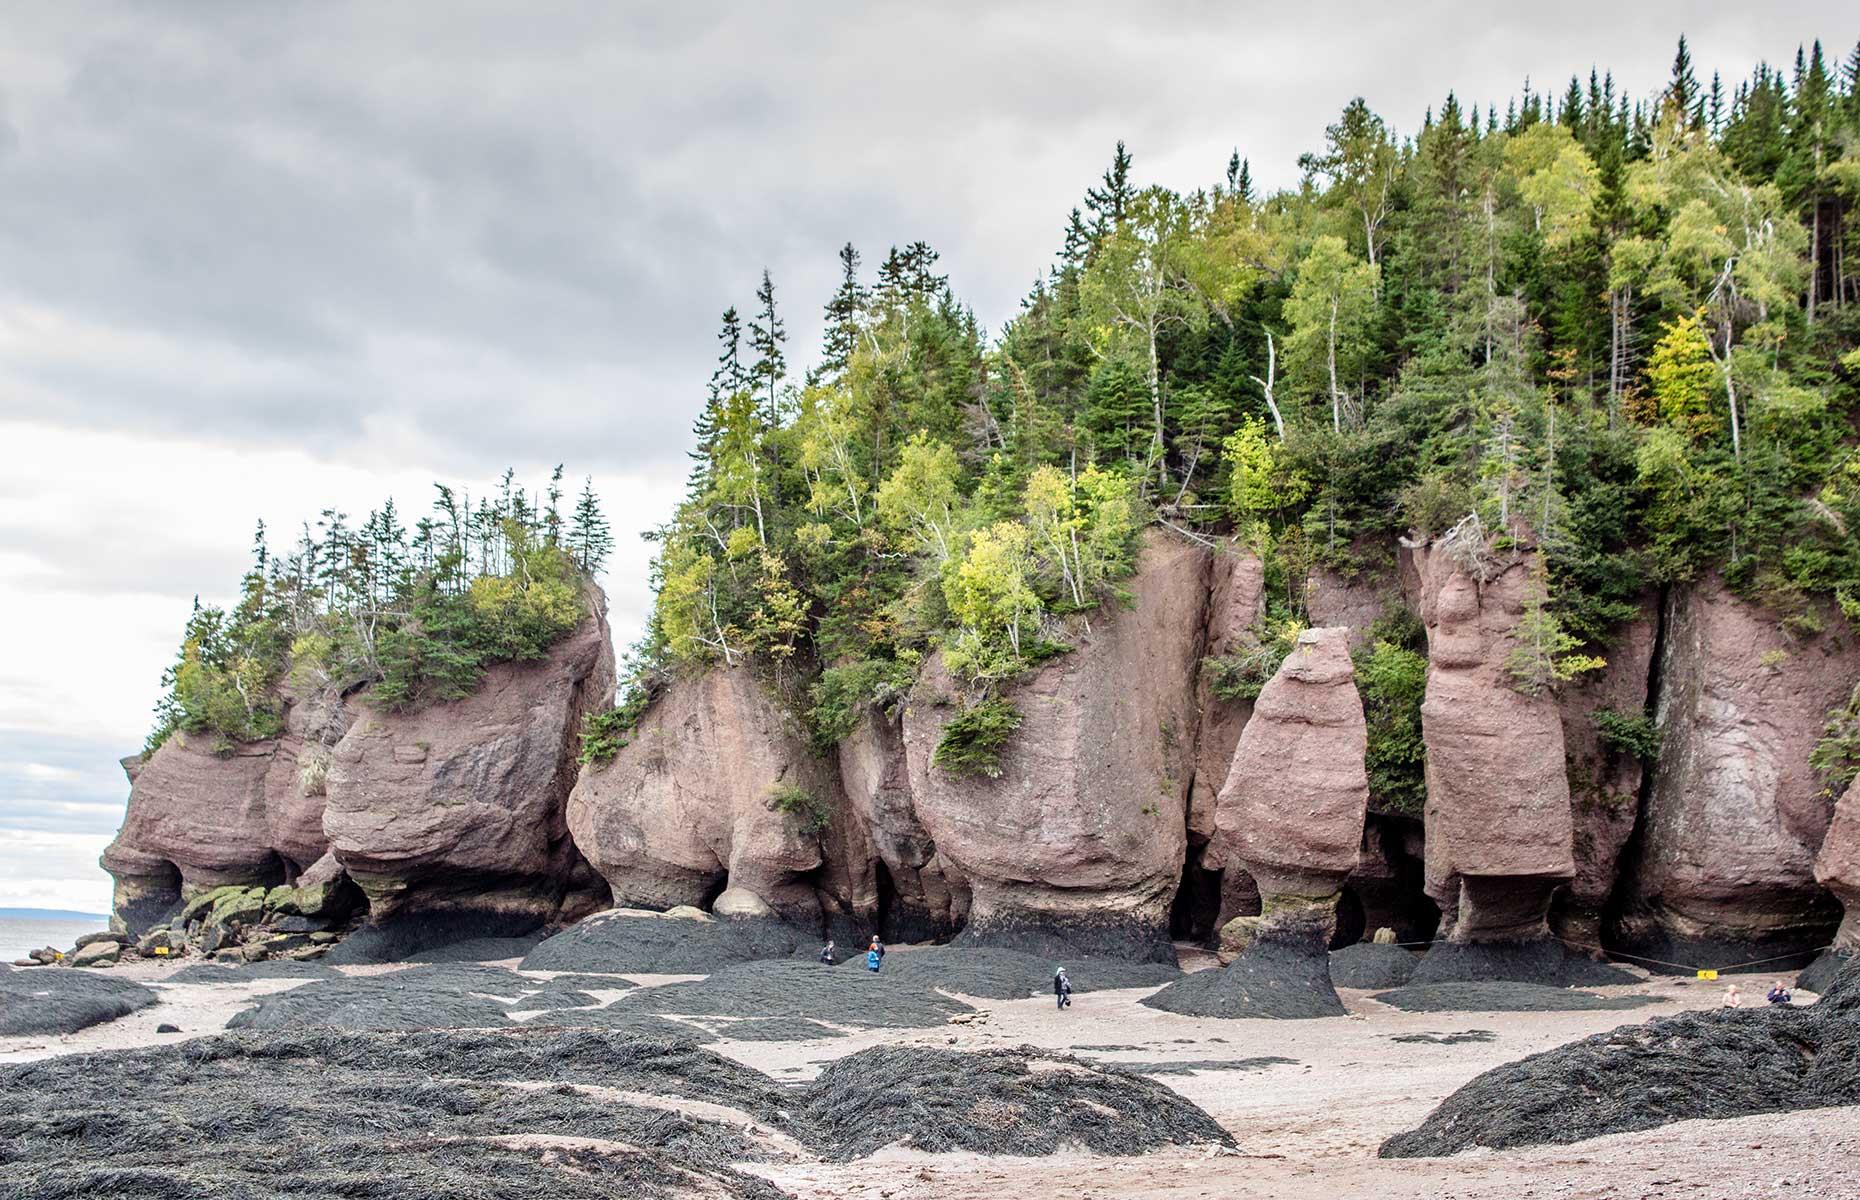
{"x": 1837, "y": 754}
{"x": 603, "y": 734}
{"x": 842, "y": 694}
{"x": 809, "y": 811}
{"x": 971, "y": 743}
{"x": 1240, "y": 676}
{"x": 1632, "y": 734}
{"x": 1392, "y": 681}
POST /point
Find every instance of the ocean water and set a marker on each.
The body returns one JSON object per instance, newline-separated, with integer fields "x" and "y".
{"x": 20, "y": 934}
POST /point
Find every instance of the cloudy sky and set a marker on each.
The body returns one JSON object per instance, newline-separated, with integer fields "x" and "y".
{"x": 259, "y": 260}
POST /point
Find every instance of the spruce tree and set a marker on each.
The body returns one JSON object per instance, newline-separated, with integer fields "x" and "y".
{"x": 766, "y": 336}
{"x": 590, "y": 540}
{"x": 1109, "y": 203}
{"x": 843, "y": 315}
{"x": 1683, "y": 91}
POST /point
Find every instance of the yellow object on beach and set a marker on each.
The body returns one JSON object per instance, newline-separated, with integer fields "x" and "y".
{"x": 161, "y": 952}
{"x": 1708, "y": 974}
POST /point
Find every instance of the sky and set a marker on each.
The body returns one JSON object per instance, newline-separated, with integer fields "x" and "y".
{"x": 261, "y": 260}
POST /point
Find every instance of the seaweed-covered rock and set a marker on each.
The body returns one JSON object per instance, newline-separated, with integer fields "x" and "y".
{"x": 1532, "y": 960}
{"x": 1712, "y": 1064}
{"x": 450, "y": 816}
{"x": 1077, "y": 846}
{"x": 994, "y": 973}
{"x": 1277, "y": 976}
{"x": 510, "y": 1113}
{"x": 664, "y": 944}
{"x": 65, "y": 1001}
{"x": 1019, "y": 1102}
{"x": 437, "y": 996}
{"x": 1502, "y": 996}
{"x": 790, "y": 989}
{"x": 1367, "y": 965}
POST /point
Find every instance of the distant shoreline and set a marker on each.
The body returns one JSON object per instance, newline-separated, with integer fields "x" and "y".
{"x": 50, "y": 914}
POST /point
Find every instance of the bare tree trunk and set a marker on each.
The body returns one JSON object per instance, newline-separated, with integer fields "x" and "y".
{"x": 1156, "y": 404}
{"x": 1336, "y": 405}
{"x": 1266, "y": 384}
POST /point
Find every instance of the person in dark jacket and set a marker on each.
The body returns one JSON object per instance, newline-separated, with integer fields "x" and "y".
{"x": 1062, "y": 989}
{"x": 826, "y": 954}
{"x": 1780, "y": 994}
{"x": 877, "y": 947}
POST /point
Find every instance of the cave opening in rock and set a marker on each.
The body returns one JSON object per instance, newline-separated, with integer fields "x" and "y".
{"x": 1348, "y": 928}
{"x": 1195, "y": 914}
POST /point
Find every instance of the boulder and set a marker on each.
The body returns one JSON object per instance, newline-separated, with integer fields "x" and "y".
{"x": 97, "y": 954}
{"x": 452, "y": 815}
{"x": 236, "y": 907}
{"x": 203, "y": 814}
{"x": 1726, "y": 870}
{"x": 687, "y": 812}
{"x": 1604, "y": 780}
{"x": 1498, "y": 827}
{"x": 108, "y": 936}
{"x": 323, "y": 891}
{"x": 1078, "y": 845}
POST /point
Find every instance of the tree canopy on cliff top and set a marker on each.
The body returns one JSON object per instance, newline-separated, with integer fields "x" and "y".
{"x": 416, "y": 613}
{"x": 1629, "y": 324}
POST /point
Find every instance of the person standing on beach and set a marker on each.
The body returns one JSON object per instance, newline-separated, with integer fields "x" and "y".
{"x": 874, "y": 957}
{"x": 1062, "y": 989}
{"x": 877, "y": 947}
{"x": 826, "y": 954}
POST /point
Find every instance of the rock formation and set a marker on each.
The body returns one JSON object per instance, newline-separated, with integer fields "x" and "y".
{"x": 1291, "y": 814}
{"x": 1726, "y": 869}
{"x": 450, "y": 817}
{"x": 689, "y": 812}
{"x": 1837, "y": 868}
{"x": 1499, "y": 832}
{"x": 918, "y": 898}
{"x": 1236, "y": 607}
{"x": 203, "y": 816}
{"x": 1079, "y": 844}
{"x": 1604, "y": 779}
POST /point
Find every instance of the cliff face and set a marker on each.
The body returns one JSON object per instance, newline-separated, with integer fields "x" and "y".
{"x": 1604, "y": 780}
{"x": 1132, "y": 804}
{"x": 686, "y": 813}
{"x": 1082, "y": 837}
{"x": 1499, "y": 833}
{"x": 454, "y": 813}
{"x": 198, "y": 819}
{"x": 1735, "y": 816}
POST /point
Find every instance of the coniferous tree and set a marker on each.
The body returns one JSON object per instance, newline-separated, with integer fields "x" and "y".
{"x": 842, "y": 314}
{"x": 1682, "y": 91}
{"x": 766, "y": 336}
{"x": 590, "y": 539}
{"x": 1109, "y": 202}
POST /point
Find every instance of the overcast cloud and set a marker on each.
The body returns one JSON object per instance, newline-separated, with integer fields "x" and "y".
{"x": 256, "y": 260}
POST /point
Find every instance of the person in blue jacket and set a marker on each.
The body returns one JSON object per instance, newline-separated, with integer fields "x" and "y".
{"x": 873, "y": 958}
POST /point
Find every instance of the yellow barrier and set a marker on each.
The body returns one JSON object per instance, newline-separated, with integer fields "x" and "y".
{"x": 1708, "y": 974}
